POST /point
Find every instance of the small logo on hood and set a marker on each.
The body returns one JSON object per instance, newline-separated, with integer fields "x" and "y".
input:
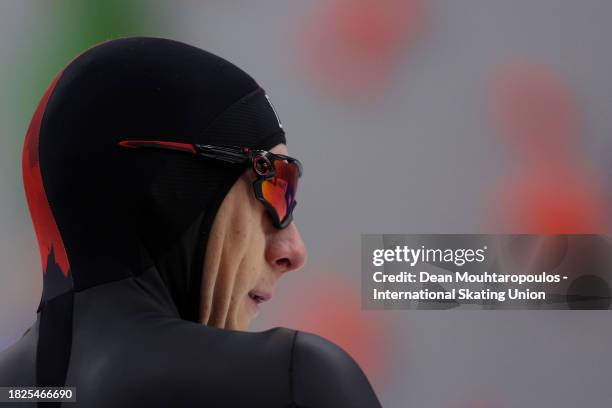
{"x": 274, "y": 110}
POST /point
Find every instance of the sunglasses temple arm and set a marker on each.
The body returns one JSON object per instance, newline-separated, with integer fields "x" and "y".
{"x": 227, "y": 154}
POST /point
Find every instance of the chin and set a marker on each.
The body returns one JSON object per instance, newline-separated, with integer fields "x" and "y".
{"x": 243, "y": 324}
{"x": 244, "y": 319}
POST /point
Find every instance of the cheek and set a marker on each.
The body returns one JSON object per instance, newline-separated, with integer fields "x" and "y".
{"x": 248, "y": 243}
{"x": 250, "y": 224}
{"x": 252, "y": 264}
{"x": 250, "y": 274}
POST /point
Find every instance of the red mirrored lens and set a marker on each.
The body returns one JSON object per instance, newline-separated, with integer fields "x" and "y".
{"x": 279, "y": 191}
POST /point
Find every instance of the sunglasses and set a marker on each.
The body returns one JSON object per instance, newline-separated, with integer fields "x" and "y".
{"x": 277, "y": 174}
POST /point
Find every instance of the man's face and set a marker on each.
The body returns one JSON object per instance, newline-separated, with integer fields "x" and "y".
{"x": 245, "y": 257}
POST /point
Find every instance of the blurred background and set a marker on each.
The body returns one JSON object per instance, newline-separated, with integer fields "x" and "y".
{"x": 410, "y": 116}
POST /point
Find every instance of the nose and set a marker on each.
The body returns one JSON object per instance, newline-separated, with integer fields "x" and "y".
{"x": 285, "y": 250}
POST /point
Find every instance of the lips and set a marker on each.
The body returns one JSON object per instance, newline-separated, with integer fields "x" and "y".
{"x": 260, "y": 297}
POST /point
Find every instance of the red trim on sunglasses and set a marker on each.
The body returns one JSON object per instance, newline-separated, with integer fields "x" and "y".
{"x": 134, "y": 144}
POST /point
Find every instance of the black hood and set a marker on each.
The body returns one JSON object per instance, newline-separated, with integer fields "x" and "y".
{"x": 104, "y": 213}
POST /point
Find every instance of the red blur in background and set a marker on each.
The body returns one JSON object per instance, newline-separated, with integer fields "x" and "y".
{"x": 552, "y": 189}
{"x": 351, "y": 48}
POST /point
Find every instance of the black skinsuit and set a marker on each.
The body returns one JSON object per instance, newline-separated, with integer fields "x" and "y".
{"x": 122, "y": 234}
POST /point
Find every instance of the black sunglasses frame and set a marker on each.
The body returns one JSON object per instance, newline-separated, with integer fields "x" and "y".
{"x": 260, "y": 161}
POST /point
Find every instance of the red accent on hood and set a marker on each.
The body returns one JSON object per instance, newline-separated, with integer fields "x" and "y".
{"x": 49, "y": 237}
